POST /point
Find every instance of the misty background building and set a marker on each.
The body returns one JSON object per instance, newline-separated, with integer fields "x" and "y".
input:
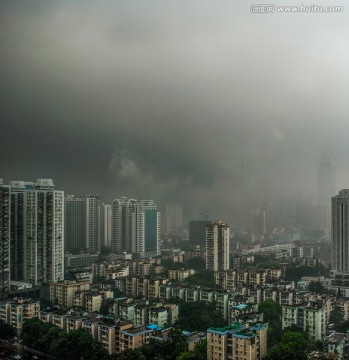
{"x": 172, "y": 219}
{"x": 257, "y": 223}
{"x": 325, "y": 180}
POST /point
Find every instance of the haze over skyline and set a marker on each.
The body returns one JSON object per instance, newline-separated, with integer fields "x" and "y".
{"x": 196, "y": 102}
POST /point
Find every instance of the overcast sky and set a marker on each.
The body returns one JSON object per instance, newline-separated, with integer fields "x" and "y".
{"x": 201, "y": 102}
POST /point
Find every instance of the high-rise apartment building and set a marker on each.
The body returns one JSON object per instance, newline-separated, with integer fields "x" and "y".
{"x": 257, "y": 222}
{"x": 217, "y": 246}
{"x": 83, "y": 223}
{"x": 149, "y": 228}
{"x": 136, "y": 226}
{"x": 122, "y": 224}
{"x": 106, "y": 226}
{"x": 34, "y": 214}
{"x": 4, "y": 238}
{"x": 75, "y": 224}
{"x": 18, "y": 218}
{"x": 340, "y": 231}
{"x": 44, "y": 233}
{"x": 93, "y": 223}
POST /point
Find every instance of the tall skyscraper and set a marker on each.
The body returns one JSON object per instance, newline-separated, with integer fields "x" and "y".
{"x": 122, "y": 224}
{"x": 106, "y": 226}
{"x": 93, "y": 223}
{"x": 18, "y": 212}
{"x": 44, "y": 234}
{"x": 4, "y": 238}
{"x": 135, "y": 226}
{"x": 217, "y": 246}
{"x": 340, "y": 231}
{"x": 36, "y": 231}
{"x": 172, "y": 219}
{"x": 325, "y": 180}
{"x": 149, "y": 228}
{"x": 75, "y": 224}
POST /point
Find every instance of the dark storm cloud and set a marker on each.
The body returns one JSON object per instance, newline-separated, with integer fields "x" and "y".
{"x": 198, "y": 102}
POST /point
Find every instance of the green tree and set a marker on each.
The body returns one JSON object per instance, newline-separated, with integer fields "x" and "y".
{"x": 316, "y": 287}
{"x": 79, "y": 345}
{"x": 342, "y": 327}
{"x": 105, "y": 306}
{"x": 336, "y": 316}
{"x": 204, "y": 279}
{"x": 295, "y": 273}
{"x": 199, "y": 316}
{"x": 130, "y": 354}
{"x": 6, "y": 331}
{"x": 271, "y": 314}
{"x": 42, "y": 336}
{"x": 196, "y": 263}
{"x": 292, "y": 346}
{"x": 199, "y": 353}
{"x": 52, "y": 340}
{"x": 270, "y": 309}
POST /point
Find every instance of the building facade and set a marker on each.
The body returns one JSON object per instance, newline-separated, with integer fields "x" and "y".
{"x": 172, "y": 219}
{"x": 311, "y": 317}
{"x": 44, "y": 234}
{"x": 240, "y": 341}
{"x": 136, "y": 226}
{"x": 340, "y": 231}
{"x": 4, "y": 238}
{"x": 217, "y": 246}
{"x": 75, "y": 224}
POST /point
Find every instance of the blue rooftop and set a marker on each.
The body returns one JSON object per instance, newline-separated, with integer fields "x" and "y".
{"x": 153, "y": 327}
{"x": 241, "y": 306}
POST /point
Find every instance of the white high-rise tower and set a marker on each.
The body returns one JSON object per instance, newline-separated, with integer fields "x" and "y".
{"x": 44, "y": 234}
{"x": 136, "y": 226}
{"x": 36, "y": 231}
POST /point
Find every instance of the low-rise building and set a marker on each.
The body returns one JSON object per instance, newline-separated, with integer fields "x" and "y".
{"x": 15, "y": 312}
{"x": 342, "y": 305}
{"x": 180, "y": 274}
{"x": 237, "y": 342}
{"x": 310, "y": 316}
{"x": 336, "y": 344}
{"x": 107, "y": 336}
{"x": 131, "y": 337}
{"x": 62, "y": 293}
